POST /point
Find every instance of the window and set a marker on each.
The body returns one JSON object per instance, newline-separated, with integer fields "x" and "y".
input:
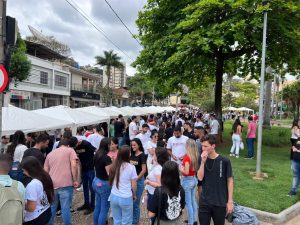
{"x": 60, "y": 81}
{"x": 43, "y": 77}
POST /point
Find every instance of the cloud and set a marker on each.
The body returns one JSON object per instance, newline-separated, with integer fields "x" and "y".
{"x": 57, "y": 18}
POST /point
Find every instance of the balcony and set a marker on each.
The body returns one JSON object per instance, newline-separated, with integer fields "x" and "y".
{"x": 84, "y": 88}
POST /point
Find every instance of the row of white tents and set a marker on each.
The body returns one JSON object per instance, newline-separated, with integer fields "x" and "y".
{"x": 59, "y": 117}
{"x": 241, "y": 109}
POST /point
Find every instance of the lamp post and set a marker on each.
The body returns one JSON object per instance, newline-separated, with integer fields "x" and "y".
{"x": 261, "y": 96}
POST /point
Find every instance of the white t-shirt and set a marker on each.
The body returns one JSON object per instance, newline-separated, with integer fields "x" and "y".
{"x": 142, "y": 122}
{"x": 144, "y": 139}
{"x": 35, "y": 192}
{"x": 150, "y": 145}
{"x": 132, "y": 130}
{"x": 152, "y": 127}
{"x": 127, "y": 173}
{"x": 156, "y": 171}
{"x": 177, "y": 145}
{"x": 19, "y": 152}
{"x": 199, "y": 124}
{"x": 214, "y": 127}
{"x": 182, "y": 121}
{"x": 95, "y": 139}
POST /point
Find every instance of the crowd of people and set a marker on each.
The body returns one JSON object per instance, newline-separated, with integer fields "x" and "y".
{"x": 162, "y": 160}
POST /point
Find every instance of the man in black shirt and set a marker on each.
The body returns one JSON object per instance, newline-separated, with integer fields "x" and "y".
{"x": 119, "y": 130}
{"x": 188, "y": 131}
{"x": 85, "y": 151}
{"x": 217, "y": 184}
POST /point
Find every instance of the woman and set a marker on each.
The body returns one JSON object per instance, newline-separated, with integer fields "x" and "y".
{"x": 151, "y": 146}
{"x": 16, "y": 149}
{"x": 171, "y": 194}
{"x": 295, "y": 132}
{"x": 236, "y": 138}
{"x": 102, "y": 163}
{"x": 122, "y": 178}
{"x": 189, "y": 180}
{"x": 113, "y": 148}
{"x": 138, "y": 159}
{"x": 152, "y": 181}
{"x": 39, "y": 193}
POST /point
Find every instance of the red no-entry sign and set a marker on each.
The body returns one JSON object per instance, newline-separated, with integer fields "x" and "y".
{"x": 3, "y": 78}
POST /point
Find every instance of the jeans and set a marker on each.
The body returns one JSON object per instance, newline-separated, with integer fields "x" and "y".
{"x": 121, "y": 210}
{"x": 87, "y": 180}
{"x": 250, "y": 144}
{"x": 63, "y": 195}
{"x": 296, "y": 175}
{"x": 136, "y": 203}
{"x": 189, "y": 184}
{"x": 236, "y": 141}
{"x": 102, "y": 190}
{"x": 121, "y": 141}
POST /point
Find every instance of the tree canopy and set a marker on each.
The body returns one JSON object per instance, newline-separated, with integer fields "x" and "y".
{"x": 185, "y": 41}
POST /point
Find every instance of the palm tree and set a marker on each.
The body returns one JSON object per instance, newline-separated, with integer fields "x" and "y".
{"x": 110, "y": 59}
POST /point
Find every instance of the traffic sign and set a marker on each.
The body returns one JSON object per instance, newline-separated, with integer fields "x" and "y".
{"x": 3, "y": 78}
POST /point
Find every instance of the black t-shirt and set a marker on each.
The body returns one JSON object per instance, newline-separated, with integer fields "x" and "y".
{"x": 295, "y": 155}
{"x": 189, "y": 134}
{"x": 171, "y": 206}
{"x": 138, "y": 161}
{"x": 119, "y": 128}
{"x": 169, "y": 132}
{"x": 85, "y": 151}
{"x": 100, "y": 164}
{"x": 35, "y": 153}
{"x": 214, "y": 184}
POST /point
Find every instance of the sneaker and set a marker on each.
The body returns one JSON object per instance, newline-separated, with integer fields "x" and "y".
{"x": 58, "y": 213}
{"x": 231, "y": 154}
{"x": 292, "y": 193}
{"x": 80, "y": 189}
{"x": 237, "y": 156}
{"x": 248, "y": 157}
{"x": 88, "y": 211}
{"x": 83, "y": 207}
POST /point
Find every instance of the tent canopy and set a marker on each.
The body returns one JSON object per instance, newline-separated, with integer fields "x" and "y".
{"x": 231, "y": 108}
{"x": 245, "y": 109}
{"x": 97, "y": 111}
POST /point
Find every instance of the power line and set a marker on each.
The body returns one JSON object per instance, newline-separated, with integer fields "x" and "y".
{"x": 122, "y": 21}
{"x": 92, "y": 22}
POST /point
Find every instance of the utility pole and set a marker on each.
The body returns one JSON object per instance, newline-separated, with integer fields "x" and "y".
{"x": 2, "y": 47}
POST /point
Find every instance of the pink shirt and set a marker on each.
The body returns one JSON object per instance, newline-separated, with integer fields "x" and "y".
{"x": 58, "y": 165}
{"x": 112, "y": 155}
{"x": 251, "y": 129}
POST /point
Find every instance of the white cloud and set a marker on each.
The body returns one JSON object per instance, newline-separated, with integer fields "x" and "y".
{"x": 57, "y": 18}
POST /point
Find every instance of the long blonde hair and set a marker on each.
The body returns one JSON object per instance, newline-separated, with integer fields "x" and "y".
{"x": 192, "y": 152}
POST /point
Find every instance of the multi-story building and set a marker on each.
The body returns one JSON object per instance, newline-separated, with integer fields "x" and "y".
{"x": 117, "y": 77}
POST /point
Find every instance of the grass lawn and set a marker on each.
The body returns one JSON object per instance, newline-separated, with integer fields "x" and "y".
{"x": 271, "y": 194}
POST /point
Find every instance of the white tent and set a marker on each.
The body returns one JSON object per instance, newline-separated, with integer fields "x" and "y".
{"x": 245, "y": 109}
{"x": 112, "y": 110}
{"x": 97, "y": 111}
{"x": 129, "y": 111}
{"x": 230, "y": 109}
{"x": 152, "y": 109}
{"x": 14, "y": 119}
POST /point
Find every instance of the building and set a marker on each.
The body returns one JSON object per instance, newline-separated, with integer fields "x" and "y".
{"x": 118, "y": 77}
{"x": 85, "y": 88}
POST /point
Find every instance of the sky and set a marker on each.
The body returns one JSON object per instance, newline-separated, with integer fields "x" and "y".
{"x": 57, "y": 18}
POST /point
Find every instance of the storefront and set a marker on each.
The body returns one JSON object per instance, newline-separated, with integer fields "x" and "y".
{"x": 80, "y": 99}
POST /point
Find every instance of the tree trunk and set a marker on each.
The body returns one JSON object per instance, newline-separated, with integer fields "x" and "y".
{"x": 267, "y": 104}
{"x": 108, "y": 100}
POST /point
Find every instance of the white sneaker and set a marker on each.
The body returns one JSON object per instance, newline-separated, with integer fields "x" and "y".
{"x": 80, "y": 188}
{"x": 231, "y": 154}
{"x": 237, "y": 156}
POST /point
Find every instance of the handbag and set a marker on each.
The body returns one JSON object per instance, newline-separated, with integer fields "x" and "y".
{"x": 242, "y": 145}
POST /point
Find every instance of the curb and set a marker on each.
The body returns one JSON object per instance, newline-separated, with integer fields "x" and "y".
{"x": 280, "y": 218}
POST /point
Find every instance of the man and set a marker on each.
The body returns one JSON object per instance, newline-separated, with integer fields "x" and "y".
{"x": 66, "y": 135}
{"x": 214, "y": 125}
{"x": 215, "y": 172}
{"x": 96, "y": 137}
{"x": 4, "y": 143}
{"x": 198, "y": 122}
{"x": 85, "y": 152}
{"x": 12, "y": 194}
{"x": 250, "y": 137}
{"x": 180, "y": 119}
{"x": 133, "y": 128}
{"x": 176, "y": 145}
{"x": 188, "y": 130}
{"x": 41, "y": 143}
{"x": 144, "y": 136}
{"x": 119, "y": 130}
{"x": 62, "y": 167}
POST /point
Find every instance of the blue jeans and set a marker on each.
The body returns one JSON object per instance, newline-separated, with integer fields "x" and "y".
{"x": 102, "y": 190}
{"x": 296, "y": 175}
{"x": 121, "y": 210}
{"x": 189, "y": 184}
{"x": 136, "y": 203}
{"x": 121, "y": 142}
{"x": 63, "y": 195}
{"x": 250, "y": 144}
{"x": 87, "y": 180}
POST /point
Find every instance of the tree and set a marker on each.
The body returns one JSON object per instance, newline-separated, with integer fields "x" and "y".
{"x": 110, "y": 59}
{"x": 19, "y": 65}
{"x": 185, "y": 41}
{"x": 291, "y": 95}
{"x": 139, "y": 88}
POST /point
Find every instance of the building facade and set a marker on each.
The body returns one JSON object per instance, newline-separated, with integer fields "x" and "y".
{"x": 118, "y": 77}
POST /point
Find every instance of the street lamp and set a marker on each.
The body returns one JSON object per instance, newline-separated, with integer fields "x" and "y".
{"x": 261, "y": 96}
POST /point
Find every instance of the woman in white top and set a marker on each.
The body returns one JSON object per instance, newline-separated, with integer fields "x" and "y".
{"x": 295, "y": 132}
{"x": 122, "y": 178}
{"x": 16, "y": 149}
{"x": 39, "y": 193}
{"x": 151, "y": 146}
{"x": 153, "y": 179}
{"x": 236, "y": 138}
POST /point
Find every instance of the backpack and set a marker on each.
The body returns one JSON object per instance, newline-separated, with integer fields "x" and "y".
{"x": 11, "y": 205}
{"x": 242, "y": 216}
{"x": 16, "y": 172}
